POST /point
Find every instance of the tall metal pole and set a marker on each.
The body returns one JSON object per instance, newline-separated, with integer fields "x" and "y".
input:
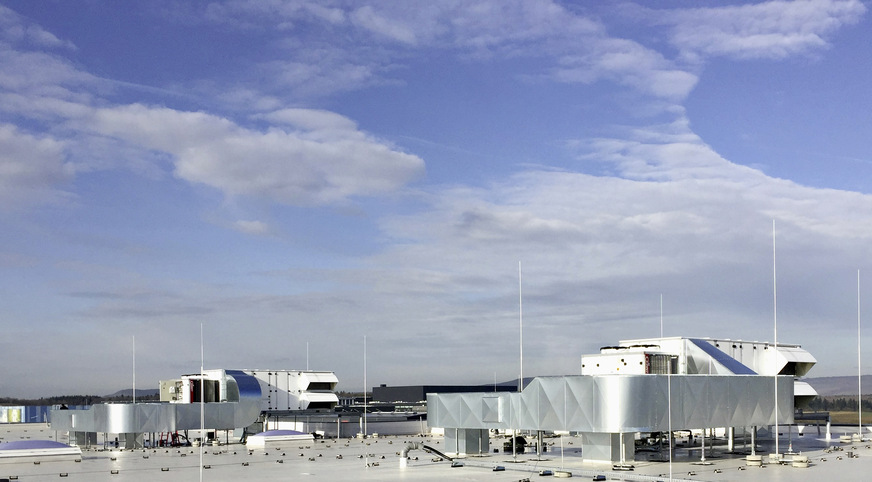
{"x": 521, "y": 317}
{"x": 521, "y": 346}
{"x": 202, "y": 401}
{"x": 134, "y": 369}
{"x": 775, "y": 322}
{"x": 669, "y": 400}
{"x": 365, "y": 451}
{"x": 364, "y": 387}
{"x": 859, "y": 367}
{"x": 565, "y": 406}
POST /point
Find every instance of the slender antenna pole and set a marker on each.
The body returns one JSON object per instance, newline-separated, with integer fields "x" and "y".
{"x": 202, "y": 401}
{"x": 365, "y": 453}
{"x": 521, "y": 344}
{"x": 521, "y": 316}
{"x": 775, "y": 322}
{"x": 565, "y": 405}
{"x": 669, "y": 394}
{"x": 364, "y": 387}
{"x": 859, "y": 367}
{"x": 669, "y": 408}
{"x": 134, "y": 369}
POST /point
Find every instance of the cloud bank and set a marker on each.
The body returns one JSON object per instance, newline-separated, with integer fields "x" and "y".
{"x": 255, "y": 201}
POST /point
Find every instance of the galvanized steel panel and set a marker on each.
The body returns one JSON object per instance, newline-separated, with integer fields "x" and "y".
{"x": 156, "y": 417}
{"x": 622, "y": 403}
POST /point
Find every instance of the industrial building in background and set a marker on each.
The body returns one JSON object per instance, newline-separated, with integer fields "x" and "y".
{"x": 651, "y": 385}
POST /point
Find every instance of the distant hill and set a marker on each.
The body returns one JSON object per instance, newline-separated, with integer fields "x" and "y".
{"x": 829, "y": 386}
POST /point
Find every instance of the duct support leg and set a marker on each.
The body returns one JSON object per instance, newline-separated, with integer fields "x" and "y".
{"x": 754, "y": 440}
{"x": 621, "y": 442}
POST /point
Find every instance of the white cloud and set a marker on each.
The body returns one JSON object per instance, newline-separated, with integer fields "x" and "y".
{"x": 369, "y": 19}
{"x": 15, "y": 29}
{"x": 774, "y": 29}
{"x": 527, "y": 26}
{"x": 39, "y": 73}
{"x": 248, "y": 99}
{"x": 597, "y": 252}
{"x": 322, "y": 71}
{"x": 670, "y": 215}
{"x": 43, "y": 87}
{"x": 312, "y": 120}
{"x": 31, "y": 169}
{"x": 676, "y": 218}
{"x": 630, "y": 64}
{"x": 580, "y": 47}
{"x": 283, "y": 14}
{"x": 661, "y": 153}
{"x": 377, "y": 36}
{"x": 258, "y": 228}
{"x": 320, "y": 158}
{"x": 312, "y": 164}
{"x": 671, "y": 158}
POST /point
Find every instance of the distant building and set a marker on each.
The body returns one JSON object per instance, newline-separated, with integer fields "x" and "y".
{"x": 417, "y": 394}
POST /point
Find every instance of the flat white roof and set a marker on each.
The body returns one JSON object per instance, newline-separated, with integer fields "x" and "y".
{"x": 233, "y": 462}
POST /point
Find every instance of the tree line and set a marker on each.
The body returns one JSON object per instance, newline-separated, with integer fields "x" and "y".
{"x": 839, "y": 403}
{"x": 75, "y": 400}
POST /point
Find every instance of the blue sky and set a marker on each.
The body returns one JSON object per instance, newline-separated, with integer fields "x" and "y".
{"x": 293, "y": 173}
